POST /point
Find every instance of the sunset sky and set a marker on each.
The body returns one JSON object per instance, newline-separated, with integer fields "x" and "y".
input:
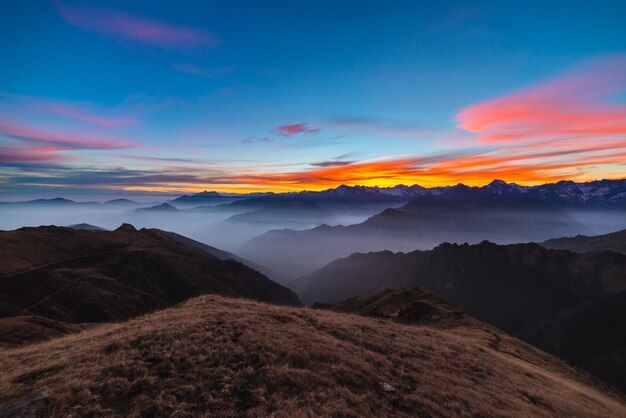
{"x": 149, "y": 97}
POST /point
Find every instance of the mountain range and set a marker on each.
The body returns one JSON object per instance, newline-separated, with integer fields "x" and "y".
{"x": 598, "y": 193}
{"x": 499, "y": 212}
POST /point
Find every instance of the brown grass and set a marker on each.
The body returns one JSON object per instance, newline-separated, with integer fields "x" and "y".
{"x": 214, "y": 356}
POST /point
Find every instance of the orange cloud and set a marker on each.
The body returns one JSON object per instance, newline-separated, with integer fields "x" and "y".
{"x": 573, "y": 107}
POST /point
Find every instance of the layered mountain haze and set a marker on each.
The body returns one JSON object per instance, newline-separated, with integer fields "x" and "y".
{"x": 499, "y": 212}
{"x": 276, "y": 229}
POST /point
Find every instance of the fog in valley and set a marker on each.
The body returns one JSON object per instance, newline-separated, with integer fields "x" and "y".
{"x": 293, "y": 235}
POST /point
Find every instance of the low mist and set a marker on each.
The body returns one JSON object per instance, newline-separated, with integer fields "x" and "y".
{"x": 293, "y": 239}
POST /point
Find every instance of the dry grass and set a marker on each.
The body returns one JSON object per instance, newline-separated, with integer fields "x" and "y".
{"x": 214, "y": 356}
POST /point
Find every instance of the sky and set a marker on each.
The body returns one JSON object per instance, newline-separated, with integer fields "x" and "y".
{"x": 108, "y": 98}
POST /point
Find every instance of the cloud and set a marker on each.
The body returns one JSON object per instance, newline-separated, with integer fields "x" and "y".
{"x": 11, "y": 154}
{"x": 61, "y": 141}
{"x": 137, "y": 29}
{"x": 77, "y": 113}
{"x": 573, "y": 107}
{"x": 296, "y": 129}
{"x": 264, "y": 139}
{"x": 21, "y": 104}
{"x": 331, "y": 163}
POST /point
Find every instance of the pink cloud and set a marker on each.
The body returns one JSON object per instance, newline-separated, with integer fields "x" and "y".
{"x": 295, "y": 129}
{"x": 83, "y": 116}
{"x": 10, "y": 154}
{"x": 571, "y": 108}
{"x": 135, "y": 28}
{"x": 61, "y": 141}
{"x": 20, "y": 104}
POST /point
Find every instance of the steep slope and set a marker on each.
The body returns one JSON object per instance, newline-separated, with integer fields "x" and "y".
{"x": 515, "y": 287}
{"x": 79, "y": 276}
{"x": 615, "y": 241}
{"x": 216, "y": 252}
{"x": 215, "y": 356}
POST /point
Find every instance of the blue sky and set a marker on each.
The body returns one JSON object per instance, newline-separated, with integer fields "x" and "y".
{"x": 203, "y": 88}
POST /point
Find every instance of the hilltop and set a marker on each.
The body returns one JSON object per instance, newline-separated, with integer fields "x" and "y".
{"x": 232, "y": 357}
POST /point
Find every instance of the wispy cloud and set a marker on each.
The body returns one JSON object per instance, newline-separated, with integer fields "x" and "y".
{"x": 60, "y": 140}
{"x": 257, "y": 140}
{"x": 331, "y": 163}
{"x": 77, "y": 113}
{"x": 25, "y": 154}
{"x": 572, "y": 107}
{"x": 11, "y": 103}
{"x": 296, "y": 129}
{"x": 137, "y": 29}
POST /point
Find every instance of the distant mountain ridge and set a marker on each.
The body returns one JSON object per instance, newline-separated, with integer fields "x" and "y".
{"x": 498, "y": 212}
{"x": 597, "y": 193}
{"x": 615, "y": 241}
{"x": 163, "y": 207}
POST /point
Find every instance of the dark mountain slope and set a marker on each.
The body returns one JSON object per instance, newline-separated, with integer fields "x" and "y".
{"x": 615, "y": 241}
{"x": 590, "y": 335}
{"x": 215, "y": 356}
{"x": 216, "y": 252}
{"x": 515, "y": 287}
{"x": 79, "y": 276}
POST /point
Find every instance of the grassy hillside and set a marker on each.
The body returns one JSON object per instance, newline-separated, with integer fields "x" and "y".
{"x": 232, "y": 357}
